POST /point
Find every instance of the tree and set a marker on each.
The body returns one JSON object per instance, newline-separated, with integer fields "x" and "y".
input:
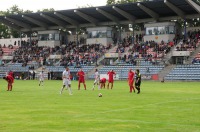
{"x": 111, "y": 2}
{"x": 13, "y": 10}
{"x": 46, "y": 10}
{"x": 85, "y": 6}
{"x": 28, "y": 11}
{"x": 4, "y": 32}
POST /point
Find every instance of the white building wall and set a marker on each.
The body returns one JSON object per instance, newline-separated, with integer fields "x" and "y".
{"x": 103, "y": 41}
{"x": 99, "y": 29}
{"x": 48, "y": 31}
{"x": 160, "y": 24}
{"x": 49, "y": 43}
{"x": 73, "y": 37}
{"x": 11, "y": 41}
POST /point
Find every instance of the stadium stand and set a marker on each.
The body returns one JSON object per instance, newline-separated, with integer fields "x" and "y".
{"x": 72, "y": 68}
{"x": 84, "y": 55}
{"x": 184, "y": 72}
{"x": 17, "y": 68}
{"x": 147, "y": 69}
{"x": 75, "y": 56}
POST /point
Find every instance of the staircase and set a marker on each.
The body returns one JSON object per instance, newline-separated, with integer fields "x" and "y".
{"x": 38, "y": 70}
{"x": 168, "y": 56}
{"x": 165, "y": 71}
{"x": 100, "y": 59}
{"x": 113, "y": 49}
{"x": 93, "y": 71}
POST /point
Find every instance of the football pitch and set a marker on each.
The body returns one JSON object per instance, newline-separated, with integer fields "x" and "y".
{"x": 161, "y": 107}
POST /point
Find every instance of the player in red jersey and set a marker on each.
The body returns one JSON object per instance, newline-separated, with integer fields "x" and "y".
{"x": 10, "y": 81}
{"x": 103, "y": 82}
{"x": 81, "y": 78}
{"x": 131, "y": 75}
{"x": 110, "y": 78}
{"x": 11, "y": 73}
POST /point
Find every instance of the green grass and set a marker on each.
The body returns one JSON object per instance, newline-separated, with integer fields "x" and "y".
{"x": 161, "y": 107}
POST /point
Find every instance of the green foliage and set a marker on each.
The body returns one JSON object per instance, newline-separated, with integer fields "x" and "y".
{"x": 46, "y": 10}
{"x": 197, "y": 1}
{"x": 28, "y": 11}
{"x": 85, "y": 6}
{"x": 4, "y": 31}
{"x": 111, "y": 2}
{"x": 161, "y": 107}
{"x": 13, "y": 10}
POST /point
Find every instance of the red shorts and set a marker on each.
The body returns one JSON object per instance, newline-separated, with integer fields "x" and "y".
{"x": 10, "y": 82}
{"x": 110, "y": 81}
{"x": 81, "y": 80}
{"x": 130, "y": 82}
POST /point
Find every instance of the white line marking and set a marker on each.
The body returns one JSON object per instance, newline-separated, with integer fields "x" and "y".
{"x": 142, "y": 106}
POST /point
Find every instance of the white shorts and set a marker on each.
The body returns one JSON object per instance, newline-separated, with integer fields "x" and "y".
{"x": 66, "y": 82}
{"x": 41, "y": 79}
{"x": 96, "y": 81}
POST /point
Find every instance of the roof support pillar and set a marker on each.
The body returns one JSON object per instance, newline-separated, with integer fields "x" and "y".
{"x": 108, "y": 15}
{"x": 194, "y": 5}
{"x": 6, "y": 22}
{"x": 39, "y": 23}
{"x": 148, "y": 11}
{"x": 21, "y": 24}
{"x": 58, "y": 22}
{"x": 67, "y": 19}
{"x": 87, "y": 17}
{"x": 125, "y": 14}
{"x": 175, "y": 9}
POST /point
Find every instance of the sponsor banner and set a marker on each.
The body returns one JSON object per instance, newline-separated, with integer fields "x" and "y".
{"x": 7, "y": 57}
{"x": 111, "y": 55}
{"x": 181, "y": 53}
{"x": 115, "y": 77}
{"x": 55, "y": 56}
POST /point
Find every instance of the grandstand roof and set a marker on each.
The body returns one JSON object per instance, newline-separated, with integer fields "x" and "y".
{"x": 156, "y": 10}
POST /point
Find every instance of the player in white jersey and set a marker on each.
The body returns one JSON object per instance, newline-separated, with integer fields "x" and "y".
{"x": 66, "y": 81}
{"x": 41, "y": 78}
{"x": 97, "y": 78}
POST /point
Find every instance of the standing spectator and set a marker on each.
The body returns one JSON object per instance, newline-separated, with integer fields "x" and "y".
{"x": 33, "y": 75}
{"x": 51, "y": 75}
{"x": 147, "y": 71}
{"x": 48, "y": 75}
{"x": 22, "y": 75}
{"x": 81, "y": 78}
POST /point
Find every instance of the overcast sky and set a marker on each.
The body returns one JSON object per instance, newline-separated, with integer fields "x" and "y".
{"x": 35, "y": 5}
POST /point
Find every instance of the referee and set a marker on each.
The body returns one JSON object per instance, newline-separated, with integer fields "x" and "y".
{"x": 138, "y": 80}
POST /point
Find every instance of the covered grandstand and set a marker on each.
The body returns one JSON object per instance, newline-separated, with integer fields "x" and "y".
{"x": 112, "y": 15}
{"x": 143, "y": 12}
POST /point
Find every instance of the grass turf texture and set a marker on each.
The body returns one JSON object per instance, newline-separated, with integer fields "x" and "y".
{"x": 163, "y": 107}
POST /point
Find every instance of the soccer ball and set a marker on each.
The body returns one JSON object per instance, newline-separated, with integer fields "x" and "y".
{"x": 100, "y": 94}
